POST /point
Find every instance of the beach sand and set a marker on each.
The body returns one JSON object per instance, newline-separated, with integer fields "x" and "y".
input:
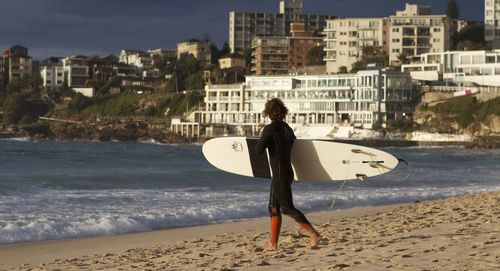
{"x": 459, "y": 233}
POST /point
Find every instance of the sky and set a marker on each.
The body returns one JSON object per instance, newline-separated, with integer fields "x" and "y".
{"x": 103, "y": 27}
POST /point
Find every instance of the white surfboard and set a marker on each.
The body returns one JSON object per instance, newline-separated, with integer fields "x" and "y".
{"x": 312, "y": 160}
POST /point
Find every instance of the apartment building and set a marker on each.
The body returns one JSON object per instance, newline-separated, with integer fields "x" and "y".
{"x": 492, "y": 23}
{"x": 282, "y": 55}
{"x": 52, "y": 72}
{"x": 479, "y": 67}
{"x": 367, "y": 99}
{"x": 245, "y": 26}
{"x": 345, "y": 39}
{"x": 199, "y": 49}
{"x": 270, "y": 55}
{"x": 415, "y": 31}
{"x": 410, "y": 32}
{"x": 76, "y": 71}
{"x": 17, "y": 63}
{"x": 300, "y": 42}
{"x": 138, "y": 58}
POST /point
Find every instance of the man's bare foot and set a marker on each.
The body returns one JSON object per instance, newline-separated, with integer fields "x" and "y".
{"x": 314, "y": 240}
{"x": 271, "y": 247}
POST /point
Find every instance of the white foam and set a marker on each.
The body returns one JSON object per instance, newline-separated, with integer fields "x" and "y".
{"x": 96, "y": 213}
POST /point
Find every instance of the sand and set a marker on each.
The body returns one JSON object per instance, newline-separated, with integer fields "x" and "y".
{"x": 460, "y": 233}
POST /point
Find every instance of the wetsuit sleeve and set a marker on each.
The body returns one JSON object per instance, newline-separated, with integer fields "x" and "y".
{"x": 265, "y": 140}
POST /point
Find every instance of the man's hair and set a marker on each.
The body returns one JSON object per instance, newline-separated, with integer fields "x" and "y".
{"x": 275, "y": 109}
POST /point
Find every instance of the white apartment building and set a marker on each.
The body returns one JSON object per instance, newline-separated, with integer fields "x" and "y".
{"x": 52, "y": 76}
{"x": 345, "y": 39}
{"x": 492, "y": 23}
{"x": 410, "y": 32}
{"x": 478, "y": 67}
{"x": 137, "y": 58}
{"x": 367, "y": 99}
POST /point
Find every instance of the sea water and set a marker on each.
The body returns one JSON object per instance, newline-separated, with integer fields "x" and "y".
{"x": 59, "y": 190}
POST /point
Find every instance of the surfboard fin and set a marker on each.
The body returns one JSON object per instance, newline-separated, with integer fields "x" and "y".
{"x": 361, "y": 177}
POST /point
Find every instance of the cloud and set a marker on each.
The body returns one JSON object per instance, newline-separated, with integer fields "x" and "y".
{"x": 106, "y": 26}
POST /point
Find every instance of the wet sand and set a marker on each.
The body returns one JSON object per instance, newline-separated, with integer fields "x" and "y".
{"x": 459, "y": 233}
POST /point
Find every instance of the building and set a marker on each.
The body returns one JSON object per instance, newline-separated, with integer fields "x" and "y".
{"x": 76, "y": 71}
{"x": 17, "y": 63}
{"x": 367, "y": 99}
{"x": 270, "y": 55}
{"x": 410, "y": 32}
{"x": 232, "y": 60}
{"x": 245, "y": 26}
{"x": 300, "y": 43}
{"x": 415, "y": 31}
{"x": 479, "y": 67}
{"x": 100, "y": 68}
{"x": 492, "y": 23}
{"x": 282, "y": 55}
{"x": 52, "y": 72}
{"x": 199, "y": 49}
{"x": 345, "y": 39}
{"x": 142, "y": 60}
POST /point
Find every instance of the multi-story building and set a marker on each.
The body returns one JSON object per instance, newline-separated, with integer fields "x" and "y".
{"x": 199, "y": 49}
{"x": 492, "y": 23}
{"x": 478, "y": 67}
{"x": 245, "y": 26}
{"x": 415, "y": 31}
{"x": 76, "y": 71}
{"x": 410, "y": 32}
{"x": 100, "y": 68}
{"x": 52, "y": 72}
{"x": 282, "y": 55}
{"x": 367, "y": 99}
{"x": 270, "y": 55}
{"x": 17, "y": 63}
{"x": 138, "y": 58}
{"x": 345, "y": 39}
{"x": 300, "y": 43}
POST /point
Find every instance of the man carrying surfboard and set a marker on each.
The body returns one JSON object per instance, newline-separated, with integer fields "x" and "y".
{"x": 277, "y": 137}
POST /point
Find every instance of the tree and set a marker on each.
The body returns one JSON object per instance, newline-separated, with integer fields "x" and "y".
{"x": 452, "y": 9}
{"x": 13, "y": 108}
{"x": 343, "y": 69}
{"x": 315, "y": 56}
{"x": 371, "y": 55}
{"x": 225, "y": 49}
{"x": 470, "y": 46}
{"x": 194, "y": 81}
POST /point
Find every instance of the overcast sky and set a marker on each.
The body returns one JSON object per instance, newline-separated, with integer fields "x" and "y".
{"x": 101, "y": 27}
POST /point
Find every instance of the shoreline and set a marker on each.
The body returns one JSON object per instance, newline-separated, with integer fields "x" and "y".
{"x": 490, "y": 143}
{"x": 460, "y": 231}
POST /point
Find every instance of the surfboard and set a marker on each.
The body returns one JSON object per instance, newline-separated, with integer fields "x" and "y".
{"x": 312, "y": 160}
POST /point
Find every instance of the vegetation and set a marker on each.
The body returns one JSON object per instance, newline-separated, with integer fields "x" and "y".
{"x": 371, "y": 55}
{"x": 471, "y": 38}
{"x": 452, "y": 9}
{"x": 315, "y": 56}
{"x": 23, "y": 108}
{"x": 465, "y": 110}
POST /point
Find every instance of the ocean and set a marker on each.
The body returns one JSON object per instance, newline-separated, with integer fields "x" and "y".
{"x": 60, "y": 190}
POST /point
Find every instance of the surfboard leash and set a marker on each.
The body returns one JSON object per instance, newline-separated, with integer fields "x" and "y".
{"x": 407, "y": 167}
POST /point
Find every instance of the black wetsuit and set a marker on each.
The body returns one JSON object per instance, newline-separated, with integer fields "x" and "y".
{"x": 278, "y": 138}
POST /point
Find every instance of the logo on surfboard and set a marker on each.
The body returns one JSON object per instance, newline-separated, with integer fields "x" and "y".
{"x": 237, "y": 147}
